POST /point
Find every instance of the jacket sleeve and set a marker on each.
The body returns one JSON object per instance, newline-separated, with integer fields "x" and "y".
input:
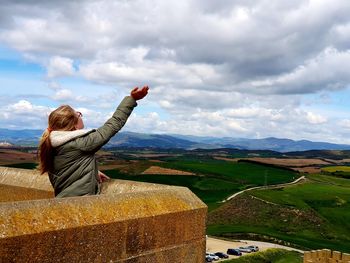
{"x": 93, "y": 141}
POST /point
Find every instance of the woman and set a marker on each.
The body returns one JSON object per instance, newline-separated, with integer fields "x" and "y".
{"x": 67, "y": 152}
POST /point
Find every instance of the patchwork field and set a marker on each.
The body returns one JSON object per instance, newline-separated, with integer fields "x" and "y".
{"x": 211, "y": 180}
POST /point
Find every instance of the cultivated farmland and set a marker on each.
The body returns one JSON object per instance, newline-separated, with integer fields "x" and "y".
{"x": 312, "y": 214}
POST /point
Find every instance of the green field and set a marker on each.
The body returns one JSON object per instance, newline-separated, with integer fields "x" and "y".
{"x": 312, "y": 215}
{"x": 270, "y": 256}
{"x": 215, "y": 180}
{"x": 331, "y": 169}
{"x": 339, "y": 171}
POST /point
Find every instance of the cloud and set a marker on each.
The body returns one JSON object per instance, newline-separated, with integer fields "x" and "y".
{"x": 59, "y": 67}
{"x": 327, "y": 71}
{"x": 166, "y": 73}
{"x": 238, "y": 67}
{"x": 345, "y": 124}
{"x": 66, "y": 95}
{"x": 211, "y": 124}
{"x": 245, "y": 46}
{"x": 24, "y": 114}
{"x": 26, "y": 108}
{"x": 242, "y": 122}
{"x": 315, "y": 118}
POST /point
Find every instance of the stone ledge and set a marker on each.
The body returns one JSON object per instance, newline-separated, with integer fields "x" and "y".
{"x": 128, "y": 222}
{"x": 32, "y": 179}
{"x": 36, "y": 216}
{"x": 25, "y": 178}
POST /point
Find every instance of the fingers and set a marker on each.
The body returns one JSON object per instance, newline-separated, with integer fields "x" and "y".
{"x": 106, "y": 177}
{"x": 145, "y": 90}
{"x": 138, "y": 94}
{"x": 103, "y": 178}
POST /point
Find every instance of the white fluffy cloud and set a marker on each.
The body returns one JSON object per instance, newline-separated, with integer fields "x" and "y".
{"x": 26, "y": 108}
{"x": 315, "y": 118}
{"x": 59, "y": 67}
{"x": 215, "y": 68}
{"x": 66, "y": 95}
{"x": 24, "y": 114}
{"x": 254, "y": 46}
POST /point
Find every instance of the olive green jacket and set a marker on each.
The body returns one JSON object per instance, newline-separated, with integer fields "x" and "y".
{"x": 75, "y": 171}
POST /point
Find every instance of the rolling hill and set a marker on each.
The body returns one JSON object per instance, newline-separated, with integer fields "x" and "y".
{"x": 136, "y": 140}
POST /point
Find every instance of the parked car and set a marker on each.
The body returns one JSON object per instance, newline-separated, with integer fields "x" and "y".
{"x": 213, "y": 256}
{"x": 245, "y": 249}
{"x": 221, "y": 255}
{"x": 233, "y": 251}
{"x": 208, "y": 259}
{"x": 253, "y": 248}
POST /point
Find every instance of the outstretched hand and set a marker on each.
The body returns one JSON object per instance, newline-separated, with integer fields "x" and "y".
{"x": 139, "y": 94}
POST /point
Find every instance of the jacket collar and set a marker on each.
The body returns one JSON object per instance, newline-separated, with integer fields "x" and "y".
{"x": 59, "y": 138}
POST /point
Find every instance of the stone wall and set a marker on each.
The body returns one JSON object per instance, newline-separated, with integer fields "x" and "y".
{"x": 128, "y": 222}
{"x": 326, "y": 256}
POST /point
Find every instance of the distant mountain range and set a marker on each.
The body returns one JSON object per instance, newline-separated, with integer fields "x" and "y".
{"x": 132, "y": 139}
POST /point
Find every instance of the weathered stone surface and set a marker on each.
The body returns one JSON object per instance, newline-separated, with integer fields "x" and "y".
{"x": 129, "y": 222}
{"x": 24, "y": 178}
{"x": 10, "y": 193}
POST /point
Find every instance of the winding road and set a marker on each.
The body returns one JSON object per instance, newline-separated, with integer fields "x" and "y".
{"x": 264, "y": 187}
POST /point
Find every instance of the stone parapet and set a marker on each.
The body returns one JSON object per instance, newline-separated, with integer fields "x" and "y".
{"x": 326, "y": 256}
{"x": 128, "y": 222}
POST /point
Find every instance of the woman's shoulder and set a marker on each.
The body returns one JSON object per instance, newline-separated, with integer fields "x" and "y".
{"x": 59, "y": 138}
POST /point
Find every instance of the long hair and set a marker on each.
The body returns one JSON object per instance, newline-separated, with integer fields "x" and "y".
{"x": 64, "y": 118}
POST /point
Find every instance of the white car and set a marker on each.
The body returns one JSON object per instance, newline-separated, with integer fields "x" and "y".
{"x": 245, "y": 249}
{"x": 212, "y": 256}
{"x": 253, "y": 248}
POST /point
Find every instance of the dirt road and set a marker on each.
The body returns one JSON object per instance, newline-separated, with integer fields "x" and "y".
{"x": 264, "y": 187}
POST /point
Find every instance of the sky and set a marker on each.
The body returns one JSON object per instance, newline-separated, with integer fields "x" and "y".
{"x": 239, "y": 68}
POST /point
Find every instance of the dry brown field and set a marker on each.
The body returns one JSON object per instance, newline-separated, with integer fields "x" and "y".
{"x": 342, "y": 161}
{"x": 303, "y": 165}
{"x": 111, "y": 166}
{"x": 166, "y": 171}
{"x": 152, "y": 155}
{"x": 227, "y": 159}
{"x": 295, "y": 162}
{"x": 290, "y": 162}
{"x": 9, "y": 156}
{"x": 104, "y": 153}
{"x": 308, "y": 169}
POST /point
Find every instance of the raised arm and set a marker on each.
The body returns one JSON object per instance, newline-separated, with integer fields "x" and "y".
{"x": 93, "y": 141}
